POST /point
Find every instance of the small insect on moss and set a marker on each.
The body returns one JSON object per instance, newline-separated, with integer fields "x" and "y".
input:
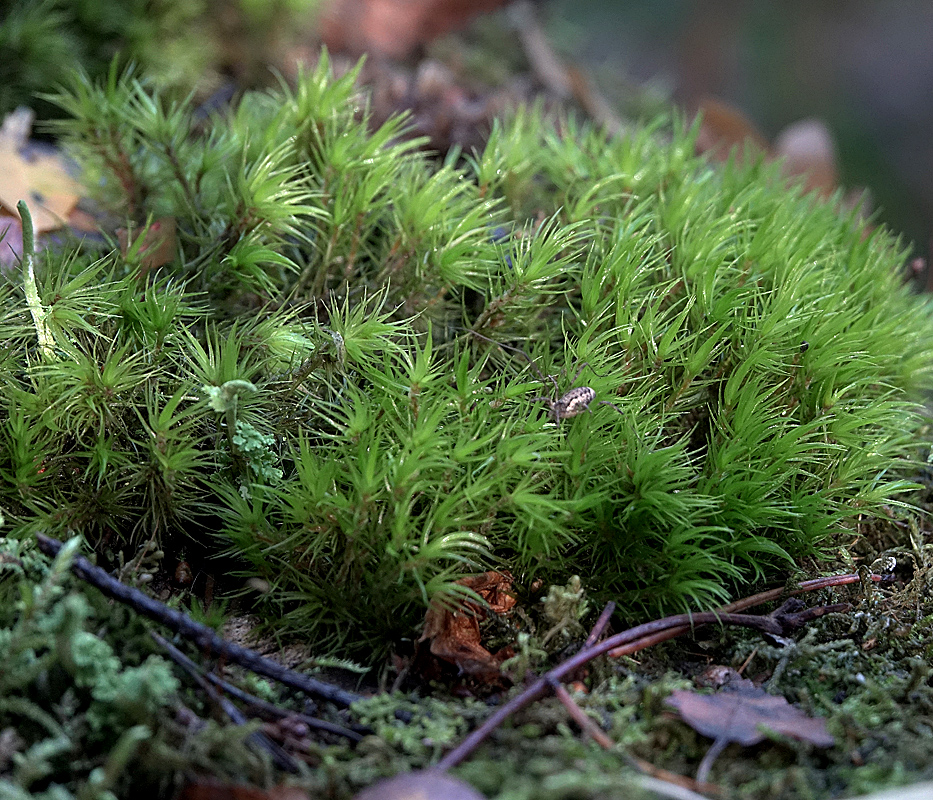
{"x": 560, "y": 406}
{"x": 574, "y": 402}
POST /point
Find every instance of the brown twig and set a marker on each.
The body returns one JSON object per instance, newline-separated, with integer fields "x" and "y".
{"x": 669, "y": 784}
{"x": 600, "y": 625}
{"x": 201, "y": 635}
{"x": 579, "y": 716}
{"x": 826, "y": 582}
{"x": 545, "y": 63}
{"x": 562, "y": 81}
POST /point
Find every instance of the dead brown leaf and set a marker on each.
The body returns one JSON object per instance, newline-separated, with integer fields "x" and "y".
{"x": 427, "y": 785}
{"x": 39, "y": 179}
{"x": 806, "y": 148}
{"x": 723, "y": 127}
{"x": 81, "y": 221}
{"x": 455, "y": 635}
{"x": 744, "y": 713}
{"x": 809, "y": 151}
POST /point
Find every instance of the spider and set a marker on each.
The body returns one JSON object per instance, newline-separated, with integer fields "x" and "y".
{"x": 560, "y": 406}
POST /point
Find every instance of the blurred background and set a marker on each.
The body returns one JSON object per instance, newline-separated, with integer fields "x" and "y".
{"x": 861, "y": 71}
{"x": 863, "y": 67}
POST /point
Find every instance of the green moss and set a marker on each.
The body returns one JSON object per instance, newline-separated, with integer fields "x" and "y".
{"x": 182, "y": 45}
{"x": 45, "y": 40}
{"x": 759, "y": 350}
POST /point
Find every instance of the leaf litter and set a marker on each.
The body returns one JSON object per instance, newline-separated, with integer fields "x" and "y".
{"x": 744, "y": 714}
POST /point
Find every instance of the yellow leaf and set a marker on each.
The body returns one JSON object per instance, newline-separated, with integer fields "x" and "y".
{"x": 39, "y": 179}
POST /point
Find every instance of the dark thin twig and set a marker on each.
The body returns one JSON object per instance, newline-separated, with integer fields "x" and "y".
{"x": 257, "y": 702}
{"x": 201, "y": 635}
{"x": 774, "y": 624}
{"x": 778, "y": 624}
{"x": 280, "y": 758}
{"x": 826, "y": 582}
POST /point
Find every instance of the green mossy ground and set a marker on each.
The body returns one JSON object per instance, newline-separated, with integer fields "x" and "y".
{"x": 90, "y": 707}
{"x": 297, "y": 390}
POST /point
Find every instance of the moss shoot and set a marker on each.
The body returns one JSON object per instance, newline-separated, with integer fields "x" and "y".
{"x": 298, "y": 388}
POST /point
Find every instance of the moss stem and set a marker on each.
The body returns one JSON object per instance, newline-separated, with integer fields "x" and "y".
{"x": 38, "y": 311}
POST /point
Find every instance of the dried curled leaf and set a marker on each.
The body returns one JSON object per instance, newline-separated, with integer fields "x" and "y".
{"x": 743, "y": 715}
{"x": 455, "y": 634}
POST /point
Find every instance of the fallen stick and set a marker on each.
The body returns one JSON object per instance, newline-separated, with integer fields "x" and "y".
{"x": 258, "y": 739}
{"x": 203, "y": 636}
{"x": 262, "y": 706}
